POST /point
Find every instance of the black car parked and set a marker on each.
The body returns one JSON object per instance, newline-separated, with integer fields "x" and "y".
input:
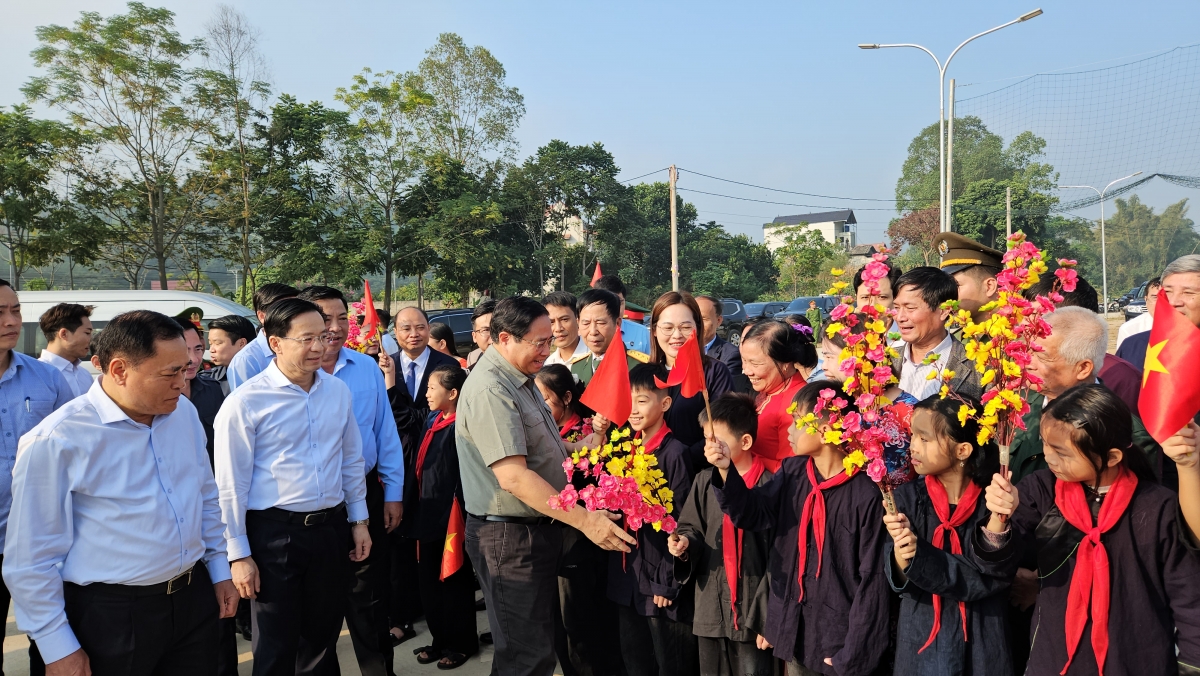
{"x": 800, "y": 305}
{"x": 765, "y": 309}
{"x": 459, "y": 321}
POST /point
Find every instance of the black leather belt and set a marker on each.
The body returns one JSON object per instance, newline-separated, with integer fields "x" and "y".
{"x": 523, "y": 520}
{"x": 302, "y": 518}
{"x": 177, "y": 583}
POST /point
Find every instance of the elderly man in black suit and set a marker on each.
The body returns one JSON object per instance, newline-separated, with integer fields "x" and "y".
{"x": 711, "y": 311}
{"x": 413, "y": 364}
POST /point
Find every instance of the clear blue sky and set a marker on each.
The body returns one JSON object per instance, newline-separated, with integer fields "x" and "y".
{"x": 775, "y": 94}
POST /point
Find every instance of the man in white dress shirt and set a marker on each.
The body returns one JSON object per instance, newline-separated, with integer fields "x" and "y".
{"x": 927, "y": 345}
{"x": 252, "y": 359}
{"x": 115, "y": 541}
{"x": 564, "y": 325}
{"x": 291, "y": 477}
{"x": 68, "y": 331}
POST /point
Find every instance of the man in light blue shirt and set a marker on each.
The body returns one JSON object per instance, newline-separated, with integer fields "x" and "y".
{"x": 293, "y": 494}
{"x": 68, "y": 331}
{"x": 635, "y": 334}
{"x": 383, "y": 461}
{"x": 29, "y": 391}
{"x": 253, "y": 358}
{"x": 115, "y": 541}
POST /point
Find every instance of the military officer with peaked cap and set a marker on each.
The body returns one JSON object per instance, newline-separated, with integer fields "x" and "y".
{"x": 974, "y": 266}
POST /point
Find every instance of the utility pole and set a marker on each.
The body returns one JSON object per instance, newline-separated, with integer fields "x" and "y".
{"x": 673, "y": 175}
{"x": 950, "y": 163}
{"x": 1008, "y": 212}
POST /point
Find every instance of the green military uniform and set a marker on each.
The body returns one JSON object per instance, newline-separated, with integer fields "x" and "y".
{"x": 584, "y": 366}
{"x": 959, "y": 253}
{"x": 1026, "y": 450}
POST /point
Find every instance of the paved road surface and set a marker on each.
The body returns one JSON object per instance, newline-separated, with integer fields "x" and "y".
{"x": 16, "y": 656}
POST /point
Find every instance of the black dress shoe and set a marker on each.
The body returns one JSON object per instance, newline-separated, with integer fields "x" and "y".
{"x": 486, "y": 638}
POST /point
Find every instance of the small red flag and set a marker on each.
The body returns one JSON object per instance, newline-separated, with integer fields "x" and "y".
{"x": 1170, "y": 389}
{"x": 689, "y": 369}
{"x": 452, "y": 555}
{"x": 608, "y": 393}
{"x": 370, "y": 318}
{"x": 596, "y": 275}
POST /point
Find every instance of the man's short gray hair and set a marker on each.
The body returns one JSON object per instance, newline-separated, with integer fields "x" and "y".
{"x": 1188, "y": 263}
{"x": 1084, "y": 335}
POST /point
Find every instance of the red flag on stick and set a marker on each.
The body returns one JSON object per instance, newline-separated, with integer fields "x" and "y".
{"x": 689, "y": 369}
{"x": 1170, "y": 389}
{"x": 370, "y": 318}
{"x": 608, "y": 393}
{"x": 452, "y": 555}
{"x": 596, "y": 275}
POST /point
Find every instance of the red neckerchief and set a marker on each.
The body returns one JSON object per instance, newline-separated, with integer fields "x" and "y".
{"x": 567, "y": 428}
{"x": 439, "y": 423}
{"x": 651, "y": 445}
{"x": 962, "y": 512}
{"x": 731, "y": 540}
{"x": 1090, "y": 580}
{"x": 814, "y": 512}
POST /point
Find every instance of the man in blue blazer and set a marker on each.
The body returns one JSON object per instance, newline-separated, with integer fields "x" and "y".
{"x": 711, "y": 310}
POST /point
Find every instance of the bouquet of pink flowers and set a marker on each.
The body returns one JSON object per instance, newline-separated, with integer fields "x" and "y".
{"x": 355, "y": 336}
{"x": 624, "y": 478}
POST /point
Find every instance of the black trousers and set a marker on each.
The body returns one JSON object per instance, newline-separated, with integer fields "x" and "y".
{"x": 517, "y": 565}
{"x": 125, "y": 634}
{"x": 725, "y": 657}
{"x": 449, "y": 604}
{"x": 298, "y": 614}
{"x": 404, "y": 606}
{"x": 657, "y": 646}
{"x": 227, "y": 652}
{"x": 589, "y": 618}
{"x": 367, "y": 615}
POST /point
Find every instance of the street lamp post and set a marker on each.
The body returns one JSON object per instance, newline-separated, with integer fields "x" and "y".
{"x": 943, "y": 203}
{"x": 1103, "y": 249}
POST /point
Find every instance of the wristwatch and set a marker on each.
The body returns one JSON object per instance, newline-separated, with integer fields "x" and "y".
{"x": 364, "y": 522}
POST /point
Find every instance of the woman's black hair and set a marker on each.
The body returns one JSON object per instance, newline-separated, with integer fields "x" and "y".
{"x": 440, "y": 331}
{"x": 559, "y": 380}
{"x": 808, "y": 395}
{"x": 1100, "y": 421}
{"x": 784, "y": 344}
{"x": 449, "y": 376}
{"x": 985, "y": 459}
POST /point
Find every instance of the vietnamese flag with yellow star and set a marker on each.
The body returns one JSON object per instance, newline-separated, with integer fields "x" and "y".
{"x": 1171, "y": 376}
{"x": 456, "y": 532}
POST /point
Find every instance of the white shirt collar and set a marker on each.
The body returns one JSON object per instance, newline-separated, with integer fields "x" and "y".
{"x": 277, "y": 379}
{"x": 942, "y": 350}
{"x": 58, "y": 361}
{"x": 421, "y": 361}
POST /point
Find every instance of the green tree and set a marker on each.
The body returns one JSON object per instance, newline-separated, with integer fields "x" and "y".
{"x": 377, "y": 154}
{"x": 233, "y": 87}
{"x": 726, "y": 266}
{"x": 634, "y": 242}
{"x": 1074, "y": 238}
{"x": 917, "y": 230}
{"x": 1140, "y": 242}
{"x": 980, "y": 212}
{"x": 31, "y": 209}
{"x": 475, "y": 113}
{"x": 124, "y": 79}
{"x": 978, "y": 154}
{"x": 802, "y": 260}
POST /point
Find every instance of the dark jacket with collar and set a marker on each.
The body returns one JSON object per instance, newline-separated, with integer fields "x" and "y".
{"x": 844, "y": 614}
{"x": 727, "y": 352}
{"x": 412, "y": 415}
{"x": 1026, "y": 449}
{"x": 954, "y": 577}
{"x": 427, "y": 512}
{"x": 634, "y": 579}
{"x": 702, "y": 523}
{"x": 966, "y": 378}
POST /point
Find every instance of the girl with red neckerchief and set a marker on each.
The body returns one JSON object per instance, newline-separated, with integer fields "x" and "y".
{"x": 561, "y": 390}
{"x": 1117, "y": 572}
{"x": 952, "y": 616}
{"x": 777, "y": 359}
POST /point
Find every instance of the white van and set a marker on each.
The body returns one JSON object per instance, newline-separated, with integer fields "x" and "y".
{"x": 108, "y": 304}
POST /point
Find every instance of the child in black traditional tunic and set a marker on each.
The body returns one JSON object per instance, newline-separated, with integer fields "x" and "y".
{"x": 729, "y": 565}
{"x": 450, "y": 603}
{"x": 951, "y": 615}
{"x": 654, "y": 610}
{"x": 828, "y": 608}
{"x": 1120, "y": 590}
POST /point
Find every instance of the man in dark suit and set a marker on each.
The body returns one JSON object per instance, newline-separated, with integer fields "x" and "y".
{"x": 711, "y": 311}
{"x": 414, "y": 362}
